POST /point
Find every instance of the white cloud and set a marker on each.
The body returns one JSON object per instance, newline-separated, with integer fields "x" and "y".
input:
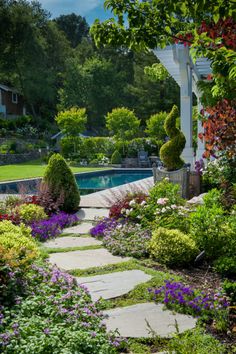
{"x": 80, "y": 7}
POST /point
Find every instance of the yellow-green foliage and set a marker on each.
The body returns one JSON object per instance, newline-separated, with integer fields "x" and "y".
{"x": 17, "y": 247}
{"x": 31, "y": 212}
{"x": 170, "y": 152}
{"x": 172, "y": 247}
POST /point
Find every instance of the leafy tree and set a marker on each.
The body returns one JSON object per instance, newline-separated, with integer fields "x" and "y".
{"x": 122, "y": 123}
{"x": 33, "y": 53}
{"x": 146, "y": 94}
{"x": 74, "y": 26}
{"x": 220, "y": 122}
{"x": 72, "y": 121}
{"x": 207, "y": 27}
{"x": 96, "y": 85}
{"x": 155, "y": 126}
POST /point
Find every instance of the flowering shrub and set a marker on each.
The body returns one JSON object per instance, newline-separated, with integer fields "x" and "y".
{"x": 119, "y": 208}
{"x": 104, "y": 225}
{"x": 57, "y": 316}
{"x": 52, "y": 227}
{"x": 171, "y": 216}
{"x": 185, "y": 299}
{"x": 172, "y": 247}
{"x": 127, "y": 240}
{"x": 162, "y": 194}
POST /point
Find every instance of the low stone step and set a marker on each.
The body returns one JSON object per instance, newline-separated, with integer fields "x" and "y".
{"x": 81, "y": 229}
{"x": 69, "y": 241}
{"x": 132, "y": 321}
{"x": 112, "y": 285}
{"x": 92, "y": 213}
{"x": 85, "y": 259}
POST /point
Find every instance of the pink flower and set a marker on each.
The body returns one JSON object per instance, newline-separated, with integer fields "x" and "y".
{"x": 162, "y": 201}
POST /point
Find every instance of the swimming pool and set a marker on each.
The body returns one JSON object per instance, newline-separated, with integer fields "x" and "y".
{"x": 88, "y": 182}
{"x": 94, "y": 181}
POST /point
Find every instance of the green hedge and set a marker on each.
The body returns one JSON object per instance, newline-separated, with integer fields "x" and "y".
{"x": 88, "y": 148}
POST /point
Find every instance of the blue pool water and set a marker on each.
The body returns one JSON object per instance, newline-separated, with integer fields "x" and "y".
{"x": 110, "y": 179}
{"x": 88, "y": 182}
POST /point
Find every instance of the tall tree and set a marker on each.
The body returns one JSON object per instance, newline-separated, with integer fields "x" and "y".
{"x": 74, "y": 26}
{"x": 32, "y": 53}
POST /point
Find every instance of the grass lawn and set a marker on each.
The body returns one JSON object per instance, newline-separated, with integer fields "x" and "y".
{"x": 32, "y": 169}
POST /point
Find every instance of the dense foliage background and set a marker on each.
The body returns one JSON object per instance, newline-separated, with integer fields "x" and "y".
{"x": 55, "y": 65}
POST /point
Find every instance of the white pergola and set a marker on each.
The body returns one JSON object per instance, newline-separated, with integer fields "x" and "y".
{"x": 178, "y": 62}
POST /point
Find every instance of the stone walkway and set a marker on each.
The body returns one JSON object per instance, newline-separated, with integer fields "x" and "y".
{"x": 131, "y": 321}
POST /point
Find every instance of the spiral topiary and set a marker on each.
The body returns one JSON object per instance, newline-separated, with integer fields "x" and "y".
{"x": 170, "y": 152}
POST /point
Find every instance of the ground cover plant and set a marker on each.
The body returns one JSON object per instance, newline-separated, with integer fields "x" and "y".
{"x": 43, "y": 310}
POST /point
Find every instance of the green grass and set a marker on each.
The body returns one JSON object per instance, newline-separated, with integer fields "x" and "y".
{"x": 33, "y": 169}
{"x": 48, "y": 250}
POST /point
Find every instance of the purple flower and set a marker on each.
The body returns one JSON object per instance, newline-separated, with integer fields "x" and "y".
{"x": 52, "y": 227}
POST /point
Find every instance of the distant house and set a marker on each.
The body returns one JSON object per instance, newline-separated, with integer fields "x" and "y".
{"x": 11, "y": 102}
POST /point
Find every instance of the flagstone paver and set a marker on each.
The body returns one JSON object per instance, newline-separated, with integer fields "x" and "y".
{"x": 92, "y": 213}
{"x": 85, "y": 259}
{"x": 68, "y": 241}
{"x": 112, "y": 285}
{"x": 82, "y": 228}
{"x": 132, "y": 321}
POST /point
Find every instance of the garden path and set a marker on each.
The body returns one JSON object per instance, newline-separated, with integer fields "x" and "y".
{"x": 134, "y": 321}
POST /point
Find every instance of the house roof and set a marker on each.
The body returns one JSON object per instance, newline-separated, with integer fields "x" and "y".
{"x": 60, "y": 134}
{"x": 7, "y": 88}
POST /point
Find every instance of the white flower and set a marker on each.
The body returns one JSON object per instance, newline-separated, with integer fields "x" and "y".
{"x": 119, "y": 226}
{"x": 143, "y": 203}
{"x": 132, "y": 203}
{"x": 166, "y": 179}
{"x": 173, "y": 206}
{"x": 163, "y": 210}
{"x": 123, "y": 211}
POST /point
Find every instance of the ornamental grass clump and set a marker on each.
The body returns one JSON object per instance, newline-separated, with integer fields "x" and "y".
{"x": 127, "y": 240}
{"x": 172, "y": 247}
{"x": 61, "y": 183}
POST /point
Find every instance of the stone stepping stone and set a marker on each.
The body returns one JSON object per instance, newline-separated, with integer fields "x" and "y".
{"x": 92, "y": 213}
{"x": 85, "y": 259}
{"x": 68, "y": 241}
{"x": 83, "y": 228}
{"x": 112, "y": 285}
{"x": 132, "y": 321}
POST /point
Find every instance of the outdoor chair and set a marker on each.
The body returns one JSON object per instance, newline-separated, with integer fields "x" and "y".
{"x": 143, "y": 160}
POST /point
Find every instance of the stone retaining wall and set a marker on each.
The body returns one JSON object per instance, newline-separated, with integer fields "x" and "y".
{"x": 9, "y": 159}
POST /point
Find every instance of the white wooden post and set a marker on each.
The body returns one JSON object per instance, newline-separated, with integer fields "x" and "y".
{"x": 200, "y": 143}
{"x": 185, "y": 69}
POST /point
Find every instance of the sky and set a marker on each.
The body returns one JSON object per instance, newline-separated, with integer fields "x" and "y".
{"x": 90, "y": 9}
